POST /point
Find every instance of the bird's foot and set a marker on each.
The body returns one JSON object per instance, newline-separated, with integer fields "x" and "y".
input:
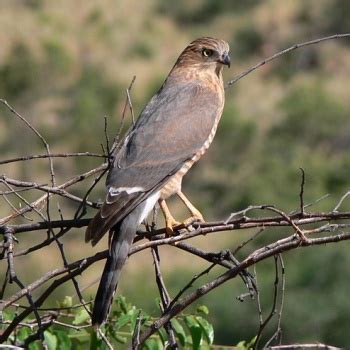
{"x": 173, "y": 226}
{"x": 170, "y": 224}
{"x": 197, "y": 217}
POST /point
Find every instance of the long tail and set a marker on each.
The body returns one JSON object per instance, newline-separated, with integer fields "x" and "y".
{"x": 124, "y": 233}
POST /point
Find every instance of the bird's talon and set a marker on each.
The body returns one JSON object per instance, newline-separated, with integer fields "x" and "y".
{"x": 169, "y": 232}
{"x": 193, "y": 219}
{"x": 170, "y": 228}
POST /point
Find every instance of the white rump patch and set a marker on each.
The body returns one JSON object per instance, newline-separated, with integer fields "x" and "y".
{"x": 150, "y": 203}
{"x": 116, "y": 191}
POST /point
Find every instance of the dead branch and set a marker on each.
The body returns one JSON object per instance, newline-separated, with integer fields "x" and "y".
{"x": 52, "y": 155}
{"x": 283, "y": 52}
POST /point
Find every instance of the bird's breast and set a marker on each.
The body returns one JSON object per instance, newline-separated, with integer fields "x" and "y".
{"x": 174, "y": 184}
{"x": 206, "y": 80}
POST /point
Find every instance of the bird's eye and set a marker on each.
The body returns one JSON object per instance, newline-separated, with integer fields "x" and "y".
{"x": 207, "y": 52}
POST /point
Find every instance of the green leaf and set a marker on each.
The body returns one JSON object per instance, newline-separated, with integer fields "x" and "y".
{"x": 120, "y": 339}
{"x": 67, "y": 301}
{"x": 122, "y": 303}
{"x": 163, "y": 335}
{"x": 203, "y": 309}
{"x": 251, "y": 343}
{"x": 180, "y": 332}
{"x": 64, "y": 342}
{"x": 159, "y": 344}
{"x": 50, "y": 340}
{"x": 207, "y": 328}
{"x": 195, "y": 330}
{"x": 134, "y": 313}
{"x": 158, "y": 303}
{"x": 95, "y": 342}
{"x": 35, "y": 346}
{"x": 146, "y": 320}
{"x": 153, "y": 344}
{"x": 244, "y": 345}
{"x": 7, "y": 316}
{"x": 122, "y": 321}
{"x": 81, "y": 317}
{"x": 241, "y": 345}
{"x": 23, "y": 333}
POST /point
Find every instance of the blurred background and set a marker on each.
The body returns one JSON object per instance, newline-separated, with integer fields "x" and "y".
{"x": 65, "y": 65}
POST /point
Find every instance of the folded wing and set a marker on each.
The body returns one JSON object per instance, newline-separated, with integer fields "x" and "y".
{"x": 171, "y": 129}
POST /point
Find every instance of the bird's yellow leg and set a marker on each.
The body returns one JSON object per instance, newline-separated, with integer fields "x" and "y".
{"x": 196, "y": 215}
{"x": 170, "y": 222}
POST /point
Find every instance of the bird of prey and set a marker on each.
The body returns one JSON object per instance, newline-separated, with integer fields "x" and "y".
{"x": 172, "y": 132}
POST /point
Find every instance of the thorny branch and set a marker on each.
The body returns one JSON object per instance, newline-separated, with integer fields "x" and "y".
{"x": 305, "y": 225}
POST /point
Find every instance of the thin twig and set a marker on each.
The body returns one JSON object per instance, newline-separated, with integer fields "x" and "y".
{"x": 52, "y": 155}
{"x": 105, "y": 339}
{"x": 301, "y": 194}
{"x": 37, "y": 133}
{"x": 130, "y": 106}
{"x": 264, "y": 323}
{"x": 342, "y": 199}
{"x": 278, "y": 334}
{"x": 117, "y": 140}
{"x": 283, "y": 52}
{"x": 44, "y": 188}
{"x": 164, "y": 296}
{"x": 189, "y": 285}
{"x": 42, "y": 199}
{"x": 304, "y": 346}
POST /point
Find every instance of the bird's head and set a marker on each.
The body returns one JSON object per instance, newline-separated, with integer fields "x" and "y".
{"x": 205, "y": 53}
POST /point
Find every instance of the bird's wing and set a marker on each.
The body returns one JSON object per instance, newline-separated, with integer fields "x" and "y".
{"x": 171, "y": 129}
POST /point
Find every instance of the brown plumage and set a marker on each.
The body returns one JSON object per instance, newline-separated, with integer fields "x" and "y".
{"x": 173, "y": 131}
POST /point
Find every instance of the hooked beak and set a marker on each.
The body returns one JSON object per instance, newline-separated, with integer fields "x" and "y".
{"x": 225, "y": 59}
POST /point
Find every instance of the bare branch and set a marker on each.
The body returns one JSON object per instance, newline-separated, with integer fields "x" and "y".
{"x": 342, "y": 199}
{"x": 52, "y": 155}
{"x": 283, "y": 52}
{"x": 304, "y": 346}
{"x": 37, "y": 133}
{"x": 301, "y": 194}
{"x": 42, "y": 199}
{"x": 259, "y": 255}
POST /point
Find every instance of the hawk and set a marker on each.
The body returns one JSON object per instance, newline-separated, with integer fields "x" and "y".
{"x": 172, "y": 132}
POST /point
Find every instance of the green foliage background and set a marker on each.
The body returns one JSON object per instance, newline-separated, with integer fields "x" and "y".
{"x": 65, "y": 65}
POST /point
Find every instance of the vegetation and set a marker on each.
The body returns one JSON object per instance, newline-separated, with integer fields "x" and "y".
{"x": 191, "y": 331}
